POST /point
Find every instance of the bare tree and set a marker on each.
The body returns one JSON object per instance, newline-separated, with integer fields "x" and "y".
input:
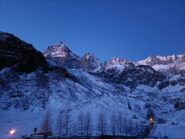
{"x": 130, "y": 127}
{"x": 66, "y": 122}
{"x": 120, "y": 123}
{"x": 125, "y": 125}
{"x": 137, "y": 128}
{"x": 75, "y": 129}
{"x": 80, "y": 123}
{"x": 113, "y": 124}
{"x": 88, "y": 123}
{"x": 59, "y": 124}
{"x": 102, "y": 124}
{"x": 46, "y": 126}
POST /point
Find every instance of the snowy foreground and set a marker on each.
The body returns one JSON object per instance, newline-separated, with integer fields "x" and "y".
{"x": 23, "y": 122}
{"x": 171, "y": 131}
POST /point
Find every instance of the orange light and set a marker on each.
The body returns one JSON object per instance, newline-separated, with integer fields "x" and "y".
{"x": 151, "y": 120}
{"x": 12, "y": 132}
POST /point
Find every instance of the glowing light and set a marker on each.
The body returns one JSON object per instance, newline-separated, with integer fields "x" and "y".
{"x": 12, "y": 132}
{"x": 151, "y": 120}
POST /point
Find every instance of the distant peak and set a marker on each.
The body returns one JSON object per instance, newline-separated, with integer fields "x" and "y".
{"x": 152, "y": 56}
{"x": 88, "y": 55}
{"x": 117, "y": 63}
{"x": 160, "y": 60}
{"x": 117, "y": 60}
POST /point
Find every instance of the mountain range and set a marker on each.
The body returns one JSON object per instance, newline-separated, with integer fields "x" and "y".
{"x": 32, "y": 82}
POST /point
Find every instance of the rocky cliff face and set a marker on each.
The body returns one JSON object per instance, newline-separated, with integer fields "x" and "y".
{"x": 19, "y": 55}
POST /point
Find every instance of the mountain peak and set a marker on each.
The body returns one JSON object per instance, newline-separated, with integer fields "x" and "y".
{"x": 170, "y": 63}
{"x": 117, "y": 63}
{"x": 88, "y": 55}
{"x": 117, "y": 60}
{"x": 57, "y": 50}
{"x": 154, "y": 60}
{"x": 90, "y": 63}
{"x": 62, "y": 55}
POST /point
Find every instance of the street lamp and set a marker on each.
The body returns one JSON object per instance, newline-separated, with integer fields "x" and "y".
{"x": 12, "y": 132}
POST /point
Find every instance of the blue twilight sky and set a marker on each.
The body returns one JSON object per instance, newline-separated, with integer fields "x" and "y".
{"x": 131, "y": 29}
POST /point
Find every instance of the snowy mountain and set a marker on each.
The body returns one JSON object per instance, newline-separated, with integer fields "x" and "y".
{"x": 170, "y": 64}
{"x": 118, "y": 64}
{"x": 90, "y": 63}
{"x": 61, "y": 80}
{"x": 63, "y": 56}
{"x": 131, "y": 75}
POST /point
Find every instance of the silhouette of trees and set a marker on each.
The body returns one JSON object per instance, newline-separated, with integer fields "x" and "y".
{"x": 102, "y": 123}
{"x": 59, "y": 123}
{"x": 88, "y": 124}
{"x": 81, "y": 124}
{"x": 46, "y": 126}
{"x": 67, "y": 122}
{"x": 120, "y": 123}
{"x": 113, "y": 122}
{"x": 130, "y": 127}
{"x": 125, "y": 125}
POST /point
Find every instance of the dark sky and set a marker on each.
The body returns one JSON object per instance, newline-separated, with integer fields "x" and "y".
{"x": 130, "y": 29}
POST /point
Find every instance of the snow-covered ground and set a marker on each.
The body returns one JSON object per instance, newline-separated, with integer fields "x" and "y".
{"x": 171, "y": 131}
{"x": 23, "y": 122}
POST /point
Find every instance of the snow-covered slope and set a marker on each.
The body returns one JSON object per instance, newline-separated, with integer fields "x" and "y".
{"x": 170, "y": 131}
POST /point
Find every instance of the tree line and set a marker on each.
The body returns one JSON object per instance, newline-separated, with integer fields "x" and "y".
{"x": 85, "y": 125}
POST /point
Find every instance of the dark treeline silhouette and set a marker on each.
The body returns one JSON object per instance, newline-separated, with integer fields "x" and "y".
{"x": 116, "y": 124}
